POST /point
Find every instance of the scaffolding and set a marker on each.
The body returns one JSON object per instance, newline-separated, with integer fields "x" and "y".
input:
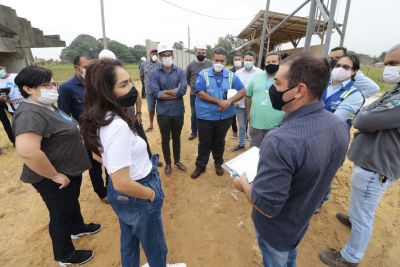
{"x": 270, "y": 29}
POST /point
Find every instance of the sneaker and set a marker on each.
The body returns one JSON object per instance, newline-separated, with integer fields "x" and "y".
{"x": 197, "y": 173}
{"x": 168, "y": 170}
{"x": 344, "y": 219}
{"x": 78, "y": 257}
{"x": 219, "y": 170}
{"x": 333, "y": 258}
{"x": 169, "y": 265}
{"x": 180, "y": 166}
{"x": 88, "y": 229}
{"x": 238, "y": 147}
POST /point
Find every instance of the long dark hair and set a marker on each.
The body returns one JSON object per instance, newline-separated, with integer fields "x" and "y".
{"x": 99, "y": 99}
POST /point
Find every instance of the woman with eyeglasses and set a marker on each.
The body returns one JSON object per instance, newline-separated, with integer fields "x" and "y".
{"x": 51, "y": 147}
{"x": 341, "y": 97}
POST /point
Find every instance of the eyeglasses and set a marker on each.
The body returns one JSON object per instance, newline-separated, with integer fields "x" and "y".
{"x": 49, "y": 85}
{"x": 346, "y": 67}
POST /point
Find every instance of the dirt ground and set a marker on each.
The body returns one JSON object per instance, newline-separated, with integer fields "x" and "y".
{"x": 207, "y": 222}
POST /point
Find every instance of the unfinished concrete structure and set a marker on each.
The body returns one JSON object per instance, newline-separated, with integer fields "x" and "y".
{"x": 17, "y": 37}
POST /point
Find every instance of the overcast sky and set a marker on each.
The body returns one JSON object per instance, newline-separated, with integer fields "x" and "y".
{"x": 373, "y": 25}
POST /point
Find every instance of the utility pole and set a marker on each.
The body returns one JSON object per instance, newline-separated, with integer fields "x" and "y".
{"x": 103, "y": 25}
{"x": 188, "y": 37}
{"x": 260, "y": 52}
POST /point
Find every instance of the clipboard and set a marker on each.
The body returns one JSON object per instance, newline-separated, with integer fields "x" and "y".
{"x": 245, "y": 162}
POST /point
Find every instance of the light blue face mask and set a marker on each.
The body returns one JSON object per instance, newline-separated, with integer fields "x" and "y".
{"x": 2, "y": 74}
{"x": 248, "y": 65}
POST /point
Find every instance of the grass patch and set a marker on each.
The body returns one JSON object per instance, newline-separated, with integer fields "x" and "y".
{"x": 375, "y": 73}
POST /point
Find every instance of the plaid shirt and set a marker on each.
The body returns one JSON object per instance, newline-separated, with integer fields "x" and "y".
{"x": 147, "y": 67}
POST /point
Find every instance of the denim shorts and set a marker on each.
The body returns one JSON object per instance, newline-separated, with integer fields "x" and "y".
{"x": 151, "y": 102}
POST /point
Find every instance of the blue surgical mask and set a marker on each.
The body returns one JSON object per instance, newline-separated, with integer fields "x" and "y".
{"x": 248, "y": 65}
{"x": 2, "y": 74}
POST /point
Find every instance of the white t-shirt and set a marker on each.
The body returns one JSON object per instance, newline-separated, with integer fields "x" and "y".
{"x": 122, "y": 148}
{"x": 245, "y": 77}
{"x": 15, "y": 95}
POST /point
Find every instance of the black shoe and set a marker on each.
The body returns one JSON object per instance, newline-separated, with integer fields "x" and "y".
{"x": 238, "y": 147}
{"x": 333, "y": 258}
{"x": 219, "y": 171}
{"x": 78, "y": 257}
{"x": 344, "y": 219}
{"x": 88, "y": 229}
{"x": 197, "y": 173}
{"x": 192, "y": 136}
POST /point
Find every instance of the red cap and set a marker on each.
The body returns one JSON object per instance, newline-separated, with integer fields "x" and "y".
{"x": 153, "y": 50}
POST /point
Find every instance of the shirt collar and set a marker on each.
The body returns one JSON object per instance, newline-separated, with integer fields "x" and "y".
{"x": 76, "y": 80}
{"x": 303, "y": 111}
{"x": 341, "y": 84}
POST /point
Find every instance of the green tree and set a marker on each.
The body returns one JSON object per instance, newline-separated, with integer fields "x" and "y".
{"x": 178, "y": 45}
{"x": 83, "y": 44}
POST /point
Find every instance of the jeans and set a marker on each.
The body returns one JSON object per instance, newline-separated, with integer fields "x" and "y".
{"x": 170, "y": 125}
{"x": 193, "y": 116}
{"x": 95, "y": 174}
{"x": 6, "y": 122}
{"x": 257, "y": 136}
{"x": 242, "y": 121}
{"x": 211, "y": 139}
{"x": 65, "y": 214}
{"x": 366, "y": 192}
{"x": 140, "y": 223}
{"x": 275, "y": 258}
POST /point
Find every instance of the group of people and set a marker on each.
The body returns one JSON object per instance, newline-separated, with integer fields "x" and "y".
{"x": 299, "y": 112}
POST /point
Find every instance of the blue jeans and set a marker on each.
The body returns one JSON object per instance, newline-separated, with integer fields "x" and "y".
{"x": 366, "y": 192}
{"x": 276, "y": 258}
{"x": 140, "y": 223}
{"x": 242, "y": 121}
{"x": 193, "y": 117}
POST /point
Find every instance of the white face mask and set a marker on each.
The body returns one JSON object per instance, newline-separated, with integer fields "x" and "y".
{"x": 218, "y": 67}
{"x": 48, "y": 96}
{"x": 154, "y": 58}
{"x": 83, "y": 74}
{"x": 391, "y": 74}
{"x": 248, "y": 65}
{"x": 340, "y": 74}
{"x": 237, "y": 63}
{"x": 167, "y": 61}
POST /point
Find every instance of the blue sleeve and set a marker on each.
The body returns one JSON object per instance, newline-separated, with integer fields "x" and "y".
{"x": 367, "y": 86}
{"x": 237, "y": 83}
{"x": 349, "y": 107}
{"x": 276, "y": 167}
{"x": 154, "y": 85}
{"x": 200, "y": 83}
{"x": 183, "y": 84}
{"x": 64, "y": 99}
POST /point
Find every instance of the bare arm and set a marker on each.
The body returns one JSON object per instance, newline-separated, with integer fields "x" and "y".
{"x": 124, "y": 184}
{"x": 247, "y": 103}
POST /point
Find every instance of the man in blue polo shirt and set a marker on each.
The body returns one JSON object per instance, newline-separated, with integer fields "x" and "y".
{"x": 214, "y": 111}
{"x": 167, "y": 84}
{"x": 71, "y": 101}
{"x": 298, "y": 159}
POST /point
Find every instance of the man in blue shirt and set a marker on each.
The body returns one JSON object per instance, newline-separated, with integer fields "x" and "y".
{"x": 298, "y": 160}
{"x": 214, "y": 111}
{"x": 71, "y": 101}
{"x": 167, "y": 84}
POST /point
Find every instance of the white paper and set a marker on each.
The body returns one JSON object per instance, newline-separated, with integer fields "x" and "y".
{"x": 246, "y": 162}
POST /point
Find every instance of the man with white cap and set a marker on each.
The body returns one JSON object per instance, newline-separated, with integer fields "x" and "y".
{"x": 105, "y": 53}
{"x": 167, "y": 84}
{"x": 148, "y": 66}
{"x": 192, "y": 71}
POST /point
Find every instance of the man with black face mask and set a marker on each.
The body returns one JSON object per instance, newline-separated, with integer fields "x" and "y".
{"x": 298, "y": 159}
{"x": 367, "y": 86}
{"x": 192, "y": 71}
{"x": 259, "y": 109}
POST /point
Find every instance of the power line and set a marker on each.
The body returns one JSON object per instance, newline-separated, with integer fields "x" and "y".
{"x": 205, "y": 15}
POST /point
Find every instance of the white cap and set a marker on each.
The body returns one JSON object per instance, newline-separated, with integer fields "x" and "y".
{"x": 105, "y": 53}
{"x": 143, "y": 59}
{"x": 164, "y": 47}
{"x": 201, "y": 46}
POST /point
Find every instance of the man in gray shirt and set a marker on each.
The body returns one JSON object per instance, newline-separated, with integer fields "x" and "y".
{"x": 298, "y": 159}
{"x": 375, "y": 153}
{"x": 192, "y": 71}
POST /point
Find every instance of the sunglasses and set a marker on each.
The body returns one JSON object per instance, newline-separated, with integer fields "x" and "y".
{"x": 346, "y": 67}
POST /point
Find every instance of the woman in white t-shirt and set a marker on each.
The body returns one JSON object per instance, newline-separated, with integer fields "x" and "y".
{"x": 134, "y": 190}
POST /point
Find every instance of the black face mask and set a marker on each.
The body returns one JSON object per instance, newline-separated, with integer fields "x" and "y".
{"x": 200, "y": 57}
{"x": 129, "y": 99}
{"x": 271, "y": 68}
{"x": 332, "y": 63}
{"x": 276, "y": 97}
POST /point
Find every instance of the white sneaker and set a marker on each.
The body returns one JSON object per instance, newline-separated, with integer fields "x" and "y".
{"x": 168, "y": 265}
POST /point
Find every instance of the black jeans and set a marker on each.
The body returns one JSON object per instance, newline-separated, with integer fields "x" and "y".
{"x": 211, "y": 139}
{"x": 65, "y": 214}
{"x": 6, "y": 122}
{"x": 170, "y": 125}
{"x": 95, "y": 174}
{"x": 234, "y": 125}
